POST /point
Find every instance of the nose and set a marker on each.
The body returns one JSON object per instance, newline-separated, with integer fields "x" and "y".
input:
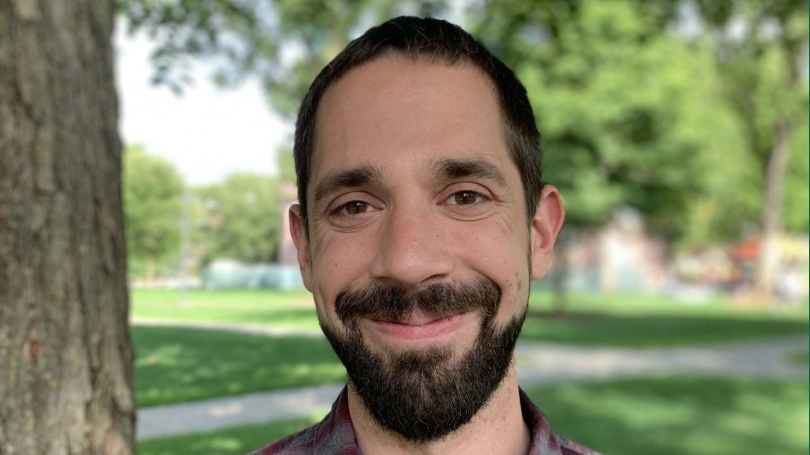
{"x": 412, "y": 252}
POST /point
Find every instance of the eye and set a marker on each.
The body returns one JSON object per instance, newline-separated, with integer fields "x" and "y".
{"x": 353, "y": 208}
{"x": 465, "y": 198}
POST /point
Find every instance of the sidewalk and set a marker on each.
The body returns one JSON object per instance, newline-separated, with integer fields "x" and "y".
{"x": 547, "y": 363}
{"x": 254, "y": 329}
{"x": 218, "y": 413}
{"x": 538, "y": 363}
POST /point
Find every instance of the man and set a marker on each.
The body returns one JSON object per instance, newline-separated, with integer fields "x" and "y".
{"x": 422, "y": 220}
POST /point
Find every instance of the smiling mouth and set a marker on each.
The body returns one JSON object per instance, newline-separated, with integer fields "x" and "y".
{"x": 419, "y": 326}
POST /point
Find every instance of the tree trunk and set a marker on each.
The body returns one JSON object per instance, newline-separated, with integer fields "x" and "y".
{"x": 772, "y": 211}
{"x": 65, "y": 354}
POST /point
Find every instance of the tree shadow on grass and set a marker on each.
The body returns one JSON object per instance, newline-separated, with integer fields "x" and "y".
{"x": 175, "y": 365}
{"x": 234, "y": 441}
{"x": 652, "y": 330}
{"x": 290, "y": 317}
{"x": 680, "y": 416}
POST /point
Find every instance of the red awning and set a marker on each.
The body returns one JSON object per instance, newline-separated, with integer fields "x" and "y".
{"x": 747, "y": 250}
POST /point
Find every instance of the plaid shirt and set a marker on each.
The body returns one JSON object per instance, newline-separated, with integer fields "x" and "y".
{"x": 335, "y": 435}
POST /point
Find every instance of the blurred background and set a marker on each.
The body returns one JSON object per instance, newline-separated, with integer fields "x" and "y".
{"x": 675, "y": 318}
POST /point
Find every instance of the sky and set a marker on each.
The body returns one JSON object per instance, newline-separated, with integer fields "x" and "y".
{"x": 207, "y": 132}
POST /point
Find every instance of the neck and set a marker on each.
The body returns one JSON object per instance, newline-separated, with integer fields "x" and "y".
{"x": 497, "y": 429}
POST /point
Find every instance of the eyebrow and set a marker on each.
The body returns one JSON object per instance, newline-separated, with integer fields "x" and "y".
{"x": 348, "y": 178}
{"x": 451, "y": 168}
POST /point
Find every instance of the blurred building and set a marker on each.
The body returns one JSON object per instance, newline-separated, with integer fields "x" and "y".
{"x": 230, "y": 274}
{"x": 618, "y": 258}
{"x": 622, "y": 258}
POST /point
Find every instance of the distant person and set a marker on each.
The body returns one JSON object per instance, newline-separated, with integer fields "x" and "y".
{"x": 422, "y": 219}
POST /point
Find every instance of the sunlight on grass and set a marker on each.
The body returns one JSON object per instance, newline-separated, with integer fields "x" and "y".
{"x": 655, "y": 330}
{"x": 176, "y": 365}
{"x": 671, "y": 416}
{"x": 610, "y": 320}
{"x": 234, "y": 441}
{"x": 293, "y": 309}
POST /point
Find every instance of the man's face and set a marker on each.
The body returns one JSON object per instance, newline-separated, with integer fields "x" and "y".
{"x": 419, "y": 249}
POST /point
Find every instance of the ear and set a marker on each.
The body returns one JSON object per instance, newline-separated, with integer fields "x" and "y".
{"x": 548, "y": 219}
{"x": 299, "y": 237}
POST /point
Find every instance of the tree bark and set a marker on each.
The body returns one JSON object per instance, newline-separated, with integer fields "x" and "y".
{"x": 772, "y": 211}
{"x": 65, "y": 353}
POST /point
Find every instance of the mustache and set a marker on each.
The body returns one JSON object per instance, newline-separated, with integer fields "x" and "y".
{"x": 393, "y": 302}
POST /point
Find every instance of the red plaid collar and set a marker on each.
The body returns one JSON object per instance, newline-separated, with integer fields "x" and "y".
{"x": 334, "y": 435}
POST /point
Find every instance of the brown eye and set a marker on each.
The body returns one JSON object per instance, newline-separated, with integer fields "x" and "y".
{"x": 356, "y": 207}
{"x": 465, "y": 197}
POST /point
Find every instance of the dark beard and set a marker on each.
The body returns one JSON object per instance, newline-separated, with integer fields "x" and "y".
{"x": 423, "y": 394}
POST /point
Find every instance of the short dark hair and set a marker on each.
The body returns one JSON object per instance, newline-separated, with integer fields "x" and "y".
{"x": 436, "y": 41}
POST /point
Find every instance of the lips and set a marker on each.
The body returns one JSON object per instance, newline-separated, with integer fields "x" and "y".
{"x": 419, "y": 326}
{"x": 415, "y": 318}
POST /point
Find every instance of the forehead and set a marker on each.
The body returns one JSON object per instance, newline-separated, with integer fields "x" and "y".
{"x": 397, "y": 110}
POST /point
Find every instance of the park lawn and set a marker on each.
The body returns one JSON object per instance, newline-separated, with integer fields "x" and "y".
{"x": 664, "y": 416}
{"x": 626, "y": 320}
{"x": 176, "y": 365}
{"x": 656, "y": 330}
{"x": 655, "y": 321}
{"x": 799, "y": 357}
{"x": 233, "y": 441}
{"x": 289, "y": 309}
{"x": 683, "y": 415}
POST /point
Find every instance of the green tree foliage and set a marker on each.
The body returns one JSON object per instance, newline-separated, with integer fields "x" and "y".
{"x": 152, "y": 195}
{"x": 283, "y": 42}
{"x": 731, "y": 205}
{"x": 797, "y": 182}
{"x": 242, "y": 218}
{"x": 621, "y": 104}
{"x": 761, "y": 48}
{"x": 759, "y": 52}
{"x": 632, "y": 112}
{"x": 286, "y": 163}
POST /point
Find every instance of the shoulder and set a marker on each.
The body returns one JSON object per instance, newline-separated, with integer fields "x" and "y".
{"x": 296, "y": 444}
{"x": 333, "y": 435}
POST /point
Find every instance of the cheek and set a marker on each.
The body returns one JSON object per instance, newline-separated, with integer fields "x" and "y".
{"x": 499, "y": 252}
{"x": 338, "y": 260}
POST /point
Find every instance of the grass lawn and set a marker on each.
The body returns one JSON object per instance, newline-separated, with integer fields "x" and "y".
{"x": 291, "y": 309}
{"x": 233, "y": 441}
{"x": 656, "y": 330}
{"x": 636, "y": 321}
{"x": 654, "y": 321}
{"x": 799, "y": 357}
{"x": 681, "y": 416}
{"x": 176, "y": 365}
{"x": 664, "y": 416}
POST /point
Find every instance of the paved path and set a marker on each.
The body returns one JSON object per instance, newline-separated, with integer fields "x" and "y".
{"x": 209, "y": 415}
{"x": 543, "y": 363}
{"x": 538, "y": 363}
{"x": 255, "y": 329}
